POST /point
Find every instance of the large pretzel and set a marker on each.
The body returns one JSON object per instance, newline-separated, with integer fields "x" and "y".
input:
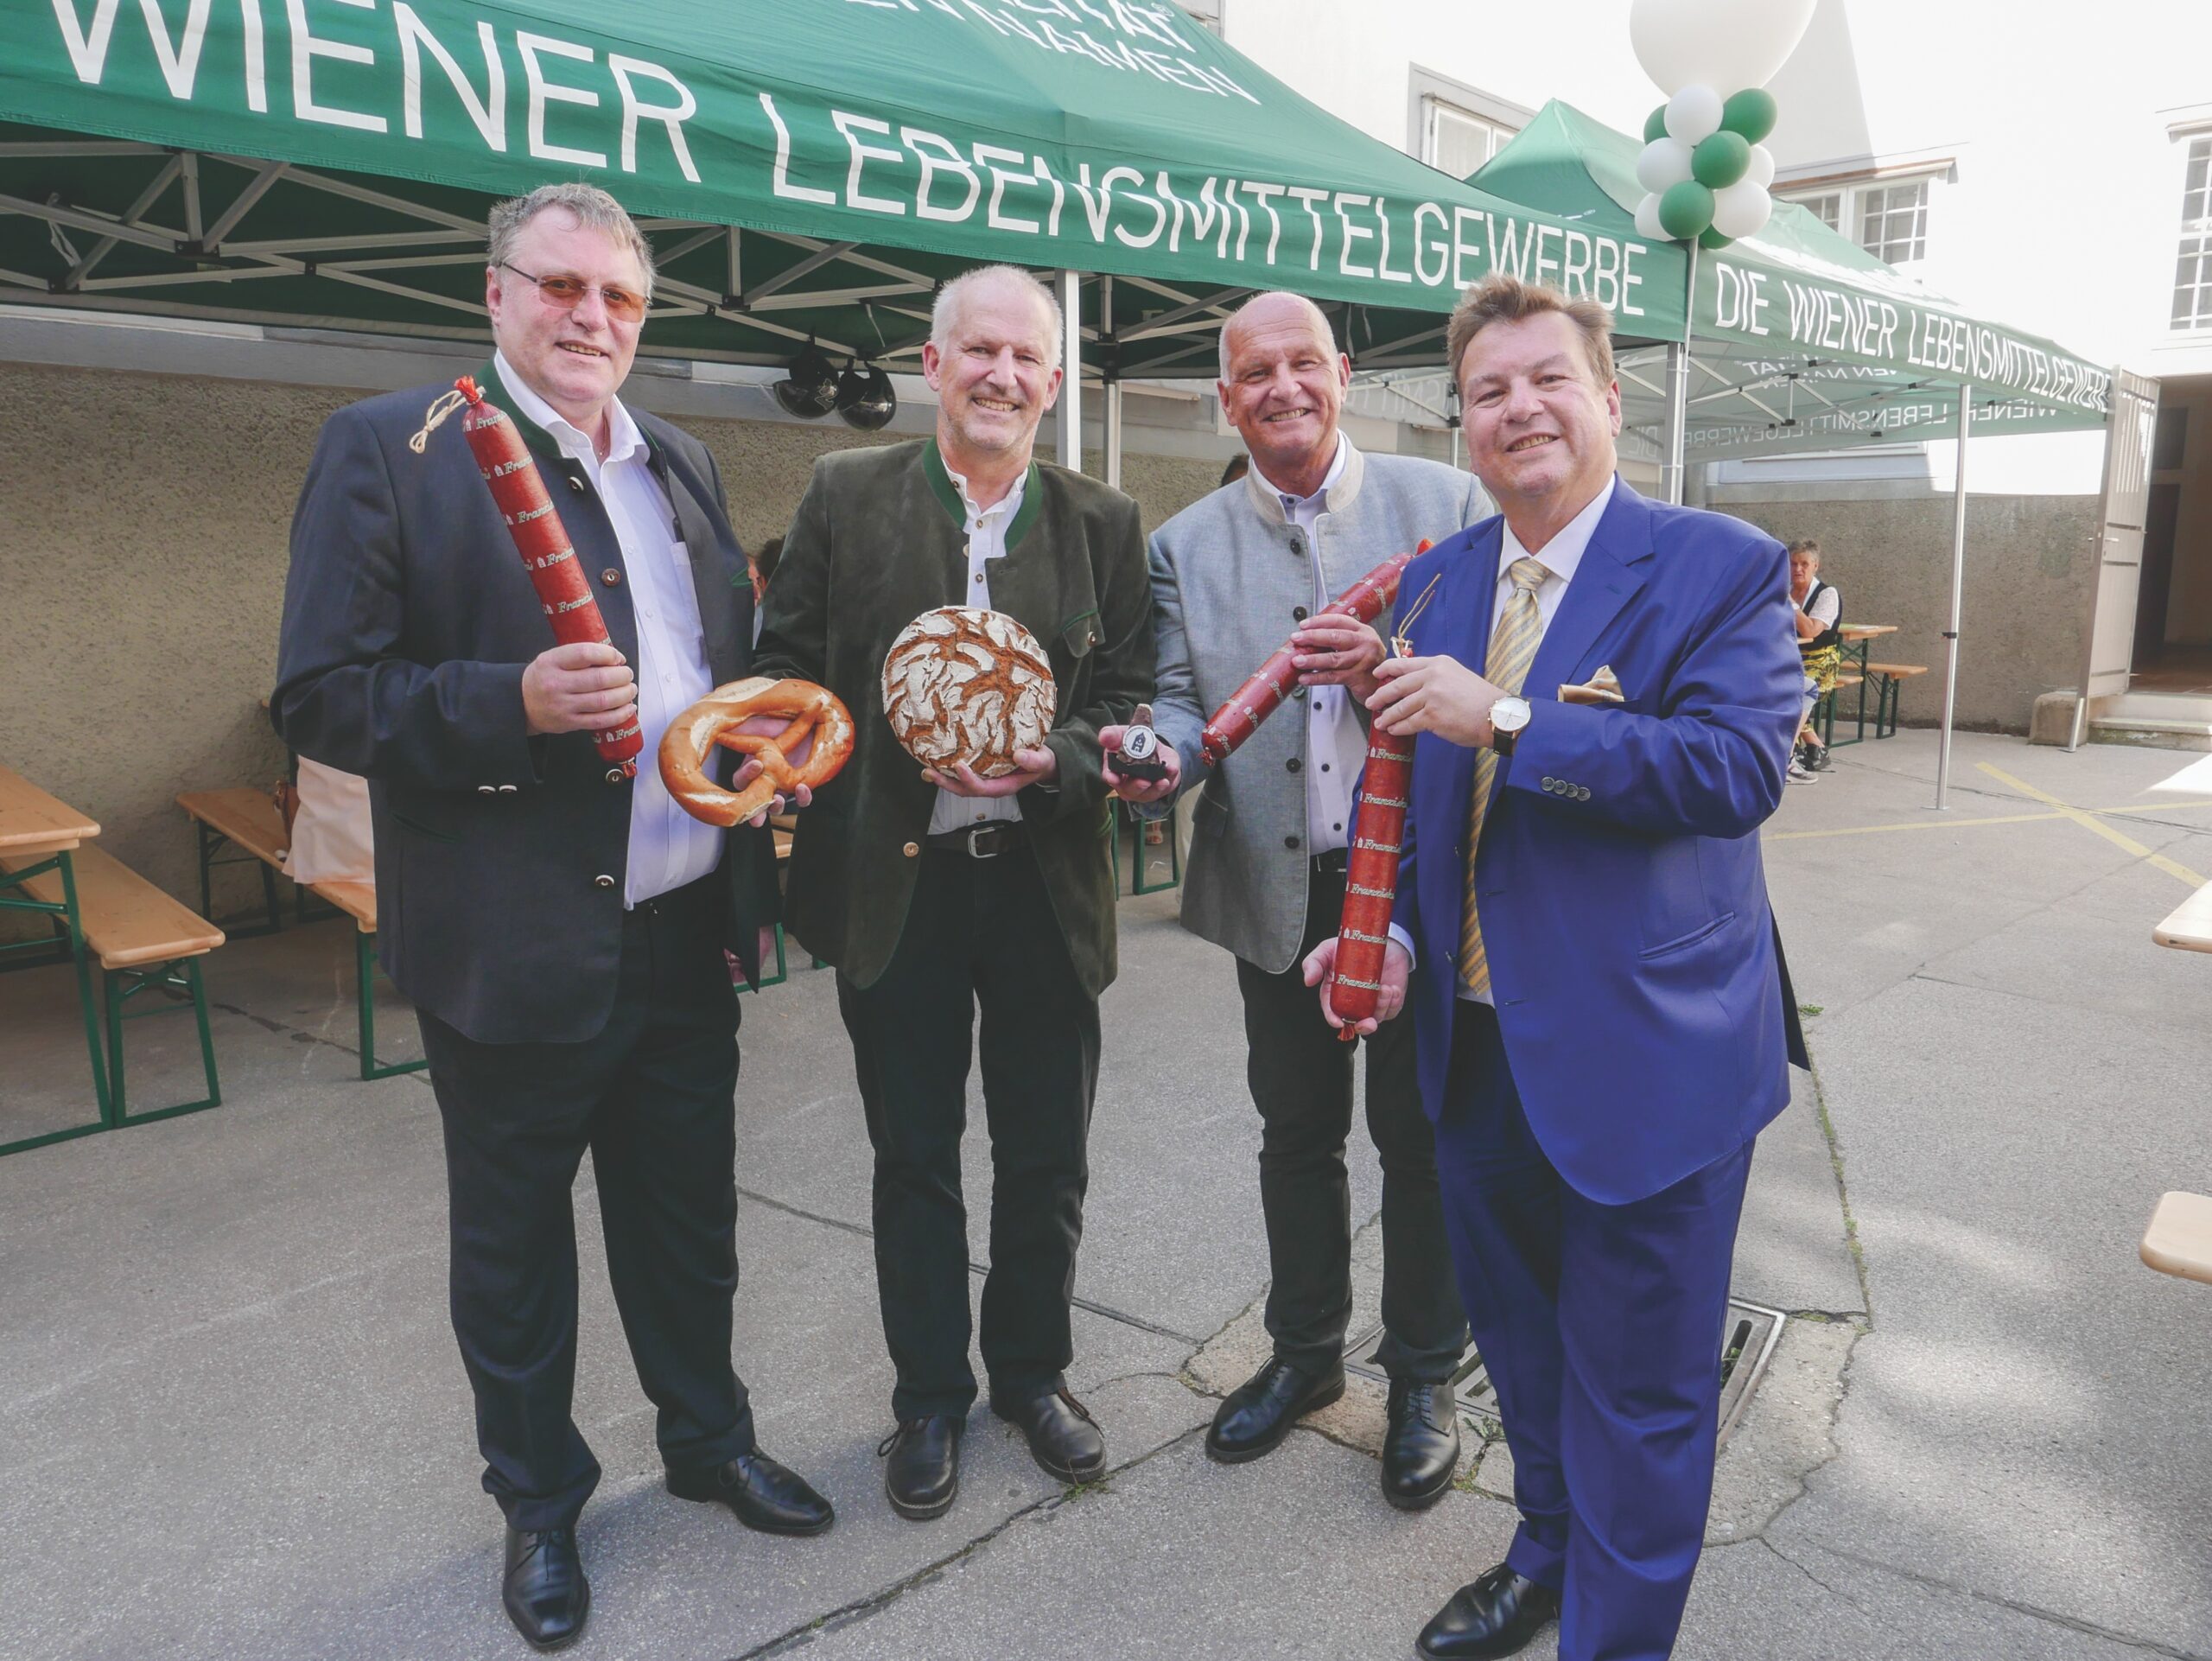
{"x": 814, "y": 712}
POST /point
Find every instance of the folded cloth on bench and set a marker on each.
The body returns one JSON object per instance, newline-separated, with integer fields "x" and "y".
{"x": 332, "y": 840}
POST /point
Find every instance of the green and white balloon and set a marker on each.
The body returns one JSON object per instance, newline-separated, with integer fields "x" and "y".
{"x": 1705, "y": 173}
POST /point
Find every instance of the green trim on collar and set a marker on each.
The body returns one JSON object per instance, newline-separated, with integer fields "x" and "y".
{"x": 488, "y": 381}
{"x": 1033, "y": 503}
{"x": 948, "y": 494}
{"x": 941, "y": 484}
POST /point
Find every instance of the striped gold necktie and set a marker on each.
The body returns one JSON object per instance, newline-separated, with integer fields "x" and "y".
{"x": 1512, "y": 648}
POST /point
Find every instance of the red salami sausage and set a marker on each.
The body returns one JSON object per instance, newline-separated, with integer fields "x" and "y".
{"x": 542, "y": 542}
{"x": 1254, "y": 700}
{"x": 1378, "y": 835}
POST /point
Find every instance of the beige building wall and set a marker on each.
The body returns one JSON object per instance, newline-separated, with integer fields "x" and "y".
{"x": 2028, "y": 573}
{"x": 143, "y": 520}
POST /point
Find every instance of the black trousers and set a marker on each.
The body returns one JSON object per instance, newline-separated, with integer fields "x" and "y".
{"x": 654, "y": 1097}
{"x": 981, "y": 935}
{"x": 1300, "y": 1074}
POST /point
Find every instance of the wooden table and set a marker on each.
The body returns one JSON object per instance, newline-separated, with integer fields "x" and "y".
{"x": 36, "y": 828}
{"x": 1854, "y": 654}
{"x": 2190, "y": 925}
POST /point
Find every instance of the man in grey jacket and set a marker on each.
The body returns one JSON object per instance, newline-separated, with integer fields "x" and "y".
{"x": 1233, "y": 576}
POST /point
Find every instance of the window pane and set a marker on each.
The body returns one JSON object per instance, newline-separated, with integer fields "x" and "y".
{"x": 1826, "y": 208}
{"x": 2193, "y": 282}
{"x": 1893, "y": 221}
{"x": 2192, "y": 307}
{"x": 2197, "y": 189}
{"x": 1460, "y": 142}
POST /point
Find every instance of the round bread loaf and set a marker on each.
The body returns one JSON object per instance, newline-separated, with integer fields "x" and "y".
{"x": 961, "y": 684}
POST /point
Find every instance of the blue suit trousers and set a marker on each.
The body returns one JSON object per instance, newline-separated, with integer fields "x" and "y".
{"x": 1601, "y": 1325}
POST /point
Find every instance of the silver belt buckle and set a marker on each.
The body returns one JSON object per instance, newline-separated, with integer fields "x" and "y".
{"x": 975, "y": 833}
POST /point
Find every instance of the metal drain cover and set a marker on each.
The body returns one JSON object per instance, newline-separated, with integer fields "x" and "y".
{"x": 1747, "y": 1342}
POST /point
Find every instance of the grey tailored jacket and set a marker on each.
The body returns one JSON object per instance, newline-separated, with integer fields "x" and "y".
{"x": 408, "y": 620}
{"x": 1231, "y": 577}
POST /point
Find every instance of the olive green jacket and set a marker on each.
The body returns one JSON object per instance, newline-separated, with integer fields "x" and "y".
{"x": 878, "y": 540}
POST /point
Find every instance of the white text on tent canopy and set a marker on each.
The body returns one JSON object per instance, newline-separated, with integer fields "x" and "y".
{"x": 1753, "y": 304}
{"x": 897, "y": 170}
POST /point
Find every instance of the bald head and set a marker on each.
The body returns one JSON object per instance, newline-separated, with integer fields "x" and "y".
{"x": 1277, "y": 306}
{"x": 1282, "y": 387}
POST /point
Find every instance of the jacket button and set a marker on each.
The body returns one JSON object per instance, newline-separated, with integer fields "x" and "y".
{"x": 1550, "y": 783}
{"x": 1298, "y": 613}
{"x": 1295, "y": 764}
{"x": 575, "y": 483}
{"x": 508, "y": 790}
{"x": 603, "y": 881}
{"x": 912, "y": 849}
{"x": 611, "y": 577}
{"x": 615, "y": 775}
{"x": 1582, "y": 792}
{"x": 487, "y": 790}
{"x": 1290, "y": 842}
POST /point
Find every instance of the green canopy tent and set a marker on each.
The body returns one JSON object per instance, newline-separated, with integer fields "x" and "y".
{"x": 1799, "y": 340}
{"x": 807, "y": 170}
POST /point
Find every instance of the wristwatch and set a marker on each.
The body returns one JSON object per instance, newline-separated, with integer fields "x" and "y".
{"x": 1507, "y": 717}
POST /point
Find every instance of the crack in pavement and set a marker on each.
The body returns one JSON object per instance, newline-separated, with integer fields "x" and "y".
{"x": 865, "y": 1233}
{"x": 1834, "y": 1592}
{"x": 2033, "y": 1612}
{"x": 865, "y": 1609}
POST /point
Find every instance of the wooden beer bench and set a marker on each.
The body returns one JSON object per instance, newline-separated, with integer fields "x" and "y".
{"x": 145, "y": 942}
{"x": 245, "y": 819}
{"x": 1889, "y": 678}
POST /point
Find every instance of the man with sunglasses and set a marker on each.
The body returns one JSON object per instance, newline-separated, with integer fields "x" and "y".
{"x": 560, "y": 927}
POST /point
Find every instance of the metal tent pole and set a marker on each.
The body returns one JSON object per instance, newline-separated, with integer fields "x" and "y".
{"x": 1071, "y": 455}
{"x": 1113, "y": 396}
{"x": 1674, "y": 475}
{"x": 1958, "y": 596}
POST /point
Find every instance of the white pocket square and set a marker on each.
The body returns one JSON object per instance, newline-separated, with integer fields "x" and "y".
{"x": 1603, "y": 687}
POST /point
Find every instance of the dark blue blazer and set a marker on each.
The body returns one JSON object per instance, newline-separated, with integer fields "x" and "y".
{"x": 1633, "y": 955}
{"x": 408, "y": 622}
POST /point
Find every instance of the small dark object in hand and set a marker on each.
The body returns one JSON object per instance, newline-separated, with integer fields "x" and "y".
{"x": 1139, "y": 758}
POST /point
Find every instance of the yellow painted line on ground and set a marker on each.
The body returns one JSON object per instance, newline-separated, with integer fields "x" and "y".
{"x": 2090, "y": 822}
{"x": 2154, "y": 807}
{"x": 1912, "y": 825}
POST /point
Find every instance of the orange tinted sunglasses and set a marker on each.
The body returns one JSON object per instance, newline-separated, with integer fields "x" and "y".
{"x": 567, "y": 292}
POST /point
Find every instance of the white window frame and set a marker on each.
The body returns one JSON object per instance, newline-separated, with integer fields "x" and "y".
{"x": 1429, "y": 93}
{"x": 2193, "y": 234}
{"x": 1850, "y": 181}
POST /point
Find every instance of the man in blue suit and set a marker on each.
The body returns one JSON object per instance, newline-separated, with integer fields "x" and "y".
{"x": 1605, "y": 691}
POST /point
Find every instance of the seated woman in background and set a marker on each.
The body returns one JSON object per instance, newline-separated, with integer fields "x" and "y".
{"x": 1819, "y": 611}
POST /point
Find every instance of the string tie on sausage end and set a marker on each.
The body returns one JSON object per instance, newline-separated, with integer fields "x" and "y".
{"x": 444, "y": 404}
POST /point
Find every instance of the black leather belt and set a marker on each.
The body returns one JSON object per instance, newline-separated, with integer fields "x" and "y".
{"x": 1336, "y": 859}
{"x": 985, "y": 840}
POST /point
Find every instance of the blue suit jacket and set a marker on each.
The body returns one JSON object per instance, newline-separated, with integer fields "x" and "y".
{"x": 1633, "y": 956}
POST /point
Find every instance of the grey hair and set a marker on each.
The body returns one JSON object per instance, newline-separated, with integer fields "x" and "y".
{"x": 954, "y": 295}
{"x": 593, "y": 210}
{"x": 1320, "y": 322}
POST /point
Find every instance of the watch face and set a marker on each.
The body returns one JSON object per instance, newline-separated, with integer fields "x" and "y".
{"x": 1510, "y": 714}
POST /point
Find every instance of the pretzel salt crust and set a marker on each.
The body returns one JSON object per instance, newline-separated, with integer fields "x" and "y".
{"x": 813, "y": 710}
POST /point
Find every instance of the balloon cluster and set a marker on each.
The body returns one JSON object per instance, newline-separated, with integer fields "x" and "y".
{"x": 1703, "y": 169}
{"x": 1705, "y": 173}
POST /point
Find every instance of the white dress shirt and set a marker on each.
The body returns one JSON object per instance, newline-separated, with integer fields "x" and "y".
{"x": 1562, "y": 557}
{"x": 668, "y": 847}
{"x": 1336, "y": 744}
{"x": 986, "y": 531}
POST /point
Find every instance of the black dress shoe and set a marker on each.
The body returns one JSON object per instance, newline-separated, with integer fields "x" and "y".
{"x": 1260, "y": 1412}
{"x": 1062, "y": 1437}
{"x": 763, "y": 1493}
{"x": 1420, "y": 1452}
{"x": 544, "y": 1588}
{"x": 1497, "y": 1615}
{"x": 922, "y": 1475}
